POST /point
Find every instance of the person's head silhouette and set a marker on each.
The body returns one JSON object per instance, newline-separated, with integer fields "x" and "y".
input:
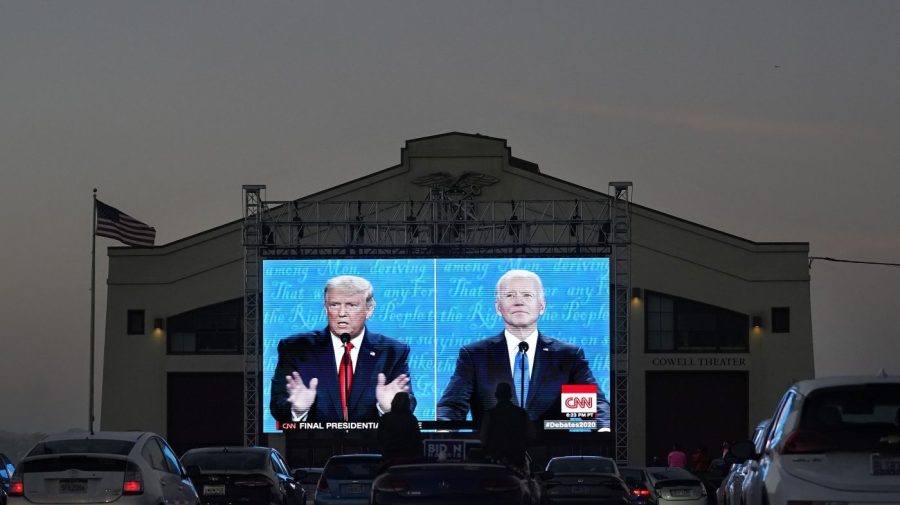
{"x": 401, "y": 402}
{"x": 504, "y": 391}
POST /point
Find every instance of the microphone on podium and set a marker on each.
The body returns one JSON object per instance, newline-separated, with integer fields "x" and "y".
{"x": 523, "y": 348}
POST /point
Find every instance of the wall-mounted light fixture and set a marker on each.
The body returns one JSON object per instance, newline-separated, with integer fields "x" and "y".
{"x": 635, "y": 293}
{"x": 756, "y": 322}
{"x": 159, "y": 324}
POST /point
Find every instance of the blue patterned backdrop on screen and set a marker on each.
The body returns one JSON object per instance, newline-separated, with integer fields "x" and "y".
{"x": 404, "y": 309}
{"x": 576, "y": 291}
{"x": 577, "y": 295}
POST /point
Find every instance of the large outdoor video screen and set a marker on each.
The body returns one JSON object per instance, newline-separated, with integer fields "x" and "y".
{"x": 447, "y": 329}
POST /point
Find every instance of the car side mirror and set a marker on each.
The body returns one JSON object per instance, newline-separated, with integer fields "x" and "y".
{"x": 299, "y": 474}
{"x": 193, "y": 471}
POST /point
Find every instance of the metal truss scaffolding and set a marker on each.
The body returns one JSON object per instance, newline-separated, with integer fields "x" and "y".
{"x": 440, "y": 225}
{"x": 253, "y": 206}
{"x": 620, "y": 216}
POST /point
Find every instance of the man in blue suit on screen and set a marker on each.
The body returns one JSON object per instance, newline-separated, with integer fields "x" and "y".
{"x": 536, "y": 364}
{"x": 343, "y": 372}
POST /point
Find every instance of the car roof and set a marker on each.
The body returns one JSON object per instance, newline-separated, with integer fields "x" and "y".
{"x": 339, "y": 457}
{"x": 557, "y": 458}
{"x": 228, "y": 449}
{"x": 805, "y": 387}
{"x": 131, "y": 436}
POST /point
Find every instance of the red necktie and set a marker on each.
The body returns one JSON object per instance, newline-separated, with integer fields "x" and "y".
{"x": 345, "y": 376}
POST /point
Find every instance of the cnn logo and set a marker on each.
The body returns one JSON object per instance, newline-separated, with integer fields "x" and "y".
{"x": 579, "y": 399}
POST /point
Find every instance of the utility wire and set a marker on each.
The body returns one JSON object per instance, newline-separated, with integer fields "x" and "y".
{"x": 837, "y": 260}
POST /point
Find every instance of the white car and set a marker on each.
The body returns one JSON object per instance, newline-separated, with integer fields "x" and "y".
{"x": 676, "y": 486}
{"x": 832, "y": 440}
{"x": 128, "y": 468}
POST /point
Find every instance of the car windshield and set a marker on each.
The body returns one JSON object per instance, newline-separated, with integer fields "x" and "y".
{"x": 588, "y": 465}
{"x": 852, "y": 418}
{"x": 84, "y": 446}
{"x": 352, "y": 469}
{"x": 632, "y": 476}
{"x": 230, "y": 460}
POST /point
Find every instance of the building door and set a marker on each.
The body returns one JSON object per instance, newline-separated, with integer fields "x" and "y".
{"x": 695, "y": 409}
{"x": 205, "y": 409}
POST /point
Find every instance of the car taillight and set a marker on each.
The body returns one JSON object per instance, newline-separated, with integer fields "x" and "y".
{"x": 640, "y": 491}
{"x": 391, "y": 485}
{"x": 805, "y": 442}
{"x": 133, "y": 482}
{"x": 16, "y": 488}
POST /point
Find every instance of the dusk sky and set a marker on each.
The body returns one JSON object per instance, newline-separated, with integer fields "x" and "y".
{"x": 772, "y": 121}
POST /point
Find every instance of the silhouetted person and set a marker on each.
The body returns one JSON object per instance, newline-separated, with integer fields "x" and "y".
{"x": 677, "y": 458}
{"x": 398, "y": 433}
{"x": 506, "y": 430}
{"x": 699, "y": 460}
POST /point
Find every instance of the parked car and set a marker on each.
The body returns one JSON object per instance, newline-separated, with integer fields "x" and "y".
{"x": 584, "y": 479}
{"x": 309, "y": 478}
{"x": 6, "y": 471}
{"x": 731, "y": 491}
{"x": 251, "y": 475}
{"x": 638, "y": 483}
{"x": 671, "y": 486}
{"x": 832, "y": 440}
{"x": 347, "y": 479}
{"x": 125, "y": 467}
{"x": 444, "y": 483}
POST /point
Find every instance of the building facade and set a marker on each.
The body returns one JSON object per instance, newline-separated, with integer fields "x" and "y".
{"x": 718, "y": 325}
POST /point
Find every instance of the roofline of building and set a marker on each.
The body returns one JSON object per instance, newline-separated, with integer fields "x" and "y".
{"x": 511, "y": 158}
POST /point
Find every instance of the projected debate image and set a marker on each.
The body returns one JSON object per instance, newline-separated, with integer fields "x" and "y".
{"x": 342, "y": 336}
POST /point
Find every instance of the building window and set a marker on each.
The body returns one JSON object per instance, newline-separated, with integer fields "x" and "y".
{"x": 136, "y": 322}
{"x": 781, "y": 319}
{"x": 679, "y": 325}
{"x": 214, "y": 329}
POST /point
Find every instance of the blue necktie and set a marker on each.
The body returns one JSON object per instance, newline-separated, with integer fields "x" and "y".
{"x": 521, "y": 370}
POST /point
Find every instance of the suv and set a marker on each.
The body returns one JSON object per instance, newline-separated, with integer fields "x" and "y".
{"x": 130, "y": 468}
{"x": 831, "y": 440}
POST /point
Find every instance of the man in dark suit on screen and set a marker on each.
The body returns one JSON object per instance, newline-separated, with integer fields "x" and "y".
{"x": 341, "y": 373}
{"x": 536, "y": 364}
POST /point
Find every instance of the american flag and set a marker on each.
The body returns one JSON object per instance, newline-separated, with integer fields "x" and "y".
{"x": 113, "y": 223}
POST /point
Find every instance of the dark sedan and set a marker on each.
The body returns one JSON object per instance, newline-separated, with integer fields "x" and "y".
{"x": 638, "y": 483}
{"x": 584, "y": 480}
{"x": 246, "y": 475}
{"x": 446, "y": 483}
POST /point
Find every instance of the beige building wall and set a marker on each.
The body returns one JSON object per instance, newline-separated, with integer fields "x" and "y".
{"x": 669, "y": 255}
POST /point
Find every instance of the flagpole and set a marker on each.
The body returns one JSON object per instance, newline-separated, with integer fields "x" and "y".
{"x": 93, "y": 318}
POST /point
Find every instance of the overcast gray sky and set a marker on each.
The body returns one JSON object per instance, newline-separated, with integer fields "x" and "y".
{"x": 771, "y": 121}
